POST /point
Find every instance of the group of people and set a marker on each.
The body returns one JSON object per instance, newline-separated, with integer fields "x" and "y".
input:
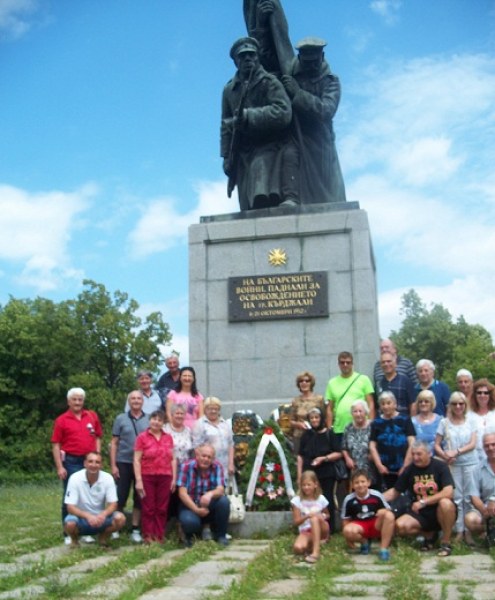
{"x": 411, "y": 447}
{"x": 170, "y": 445}
{"x": 419, "y": 449}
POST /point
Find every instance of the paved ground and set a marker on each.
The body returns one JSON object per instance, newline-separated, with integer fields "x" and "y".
{"x": 470, "y": 576}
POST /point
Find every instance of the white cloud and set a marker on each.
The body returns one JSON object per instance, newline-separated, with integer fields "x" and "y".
{"x": 425, "y": 160}
{"x": 387, "y": 9}
{"x": 15, "y": 17}
{"x": 406, "y": 104}
{"x": 36, "y": 230}
{"x": 427, "y": 231}
{"x": 420, "y": 158}
{"x": 162, "y": 226}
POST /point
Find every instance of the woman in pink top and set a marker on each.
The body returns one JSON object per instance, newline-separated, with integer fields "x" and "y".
{"x": 156, "y": 473}
{"x": 187, "y": 394}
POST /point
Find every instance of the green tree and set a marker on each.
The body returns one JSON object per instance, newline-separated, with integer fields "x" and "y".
{"x": 432, "y": 333}
{"x": 96, "y": 341}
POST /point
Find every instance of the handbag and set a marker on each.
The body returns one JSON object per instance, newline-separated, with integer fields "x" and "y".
{"x": 237, "y": 508}
{"x": 341, "y": 470}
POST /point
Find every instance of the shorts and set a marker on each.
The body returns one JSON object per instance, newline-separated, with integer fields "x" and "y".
{"x": 370, "y": 532}
{"x": 85, "y": 528}
{"x": 427, "y": 518}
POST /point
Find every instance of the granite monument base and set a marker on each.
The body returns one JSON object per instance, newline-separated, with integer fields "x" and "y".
{"x": 275, "y": 292}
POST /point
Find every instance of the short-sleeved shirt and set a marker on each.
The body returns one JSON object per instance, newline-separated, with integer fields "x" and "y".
{"x": 182, "y": 442}
{"x": 441, "y": 392}
{"x": 151, "y": 403}
{"x": 308, "y": 507}
{"x": 190, "y": 402}
{"x": 77, "y": 436}
{"x": 483, "y": 483}
{"x": 356, "y": 441}
{"x": 219, "y": 435}
{"x": 362, "y": 509}
{"x": 426, "y": 432}
{"x": 300, "y": 408}
{"x": 127, "y": 428}
{"x": 423, "y": 482}
{"x": 157, "y": 454}
{"x": 404, "y": 367}
{"x": 391, "y": 440}
{"x": 403, "y": 390}
{"x": 90, "y": 498}
{"x": 198, "y": 482}
{"x": 456, "y": 436}
{"x": 342, "y": 392}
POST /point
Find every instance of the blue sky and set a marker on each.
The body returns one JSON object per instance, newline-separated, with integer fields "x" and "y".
{"x": 109, "y": 143}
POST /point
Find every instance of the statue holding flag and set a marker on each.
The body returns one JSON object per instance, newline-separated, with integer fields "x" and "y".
{"x": 310, "y": 170}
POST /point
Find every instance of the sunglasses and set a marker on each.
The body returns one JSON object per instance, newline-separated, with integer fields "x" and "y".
{"x": 482, "y": 393}
{"x": 305, "y": 381}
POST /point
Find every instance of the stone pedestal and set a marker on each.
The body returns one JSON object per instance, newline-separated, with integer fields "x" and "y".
{"x": 253, "y": 363}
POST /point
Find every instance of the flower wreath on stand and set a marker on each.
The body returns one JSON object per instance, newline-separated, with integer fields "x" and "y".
{"x": 267, "y": 476}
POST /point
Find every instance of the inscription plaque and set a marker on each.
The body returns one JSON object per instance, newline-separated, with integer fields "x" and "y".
{"x": 287, "y": 296}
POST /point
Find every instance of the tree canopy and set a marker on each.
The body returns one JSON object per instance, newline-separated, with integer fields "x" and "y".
{"x": 431, "y": 332}
{"x": 97, "y": 341}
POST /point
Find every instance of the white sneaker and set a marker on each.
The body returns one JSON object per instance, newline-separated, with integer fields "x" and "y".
{"x": 88, "y": 539}
{"x": 136, "y": 536}
{"x": 115, "y": 535}
{"x": 67, "y": 540}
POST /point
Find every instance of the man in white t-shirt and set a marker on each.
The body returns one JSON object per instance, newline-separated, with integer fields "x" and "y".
{"x": 91, "y": 500}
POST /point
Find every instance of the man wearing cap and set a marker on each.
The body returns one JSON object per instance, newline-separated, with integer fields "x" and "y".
{"x": 256, "y": 115}
{"x": 315, "y": 94}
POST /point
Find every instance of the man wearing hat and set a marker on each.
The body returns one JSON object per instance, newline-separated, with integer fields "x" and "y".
{"x": 315, "y": 93}
{"x": 256, "y": 116}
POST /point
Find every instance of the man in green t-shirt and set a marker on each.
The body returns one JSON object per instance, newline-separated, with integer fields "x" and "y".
{"x": 343, "y": 390}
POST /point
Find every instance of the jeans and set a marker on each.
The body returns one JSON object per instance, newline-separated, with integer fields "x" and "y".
{"x": 218, "y": 518}
{"x": 72, "y": 464}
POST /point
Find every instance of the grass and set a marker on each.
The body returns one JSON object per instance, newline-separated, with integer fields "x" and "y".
{"x": 29, "y": 523}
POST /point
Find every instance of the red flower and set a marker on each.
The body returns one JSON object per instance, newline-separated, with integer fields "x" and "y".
{"x": 278, "y": 467}
{"x": 261, "y": 479}
{"x": 281, "y": 477}
{"x": 268, "y": 431}
{"x": 262, "y": 468}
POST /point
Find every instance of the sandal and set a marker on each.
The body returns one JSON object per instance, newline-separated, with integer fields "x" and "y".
{"x": 445, "y": 550}
{"x": 311, "y": 559}
{"x": 426, "y": 545}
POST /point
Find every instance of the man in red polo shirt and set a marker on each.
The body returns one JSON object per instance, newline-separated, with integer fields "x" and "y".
{"x": 75, "y": 433}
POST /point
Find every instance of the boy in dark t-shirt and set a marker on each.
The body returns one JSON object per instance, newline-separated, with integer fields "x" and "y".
{"x": 366, "y": 515}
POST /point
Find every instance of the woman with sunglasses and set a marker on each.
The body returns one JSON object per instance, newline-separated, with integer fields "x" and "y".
{"x": 425, "y": 420}
{"x": 301, "y": 405}
{"x": 483, "y": 410}
{"x": 455, "y": 443}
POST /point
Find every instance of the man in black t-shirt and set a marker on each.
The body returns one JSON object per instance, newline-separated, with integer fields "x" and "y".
{"x": 431, "y": 486}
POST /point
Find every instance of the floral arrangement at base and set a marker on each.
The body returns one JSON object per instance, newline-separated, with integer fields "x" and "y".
{"x": 269, "y": 487}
